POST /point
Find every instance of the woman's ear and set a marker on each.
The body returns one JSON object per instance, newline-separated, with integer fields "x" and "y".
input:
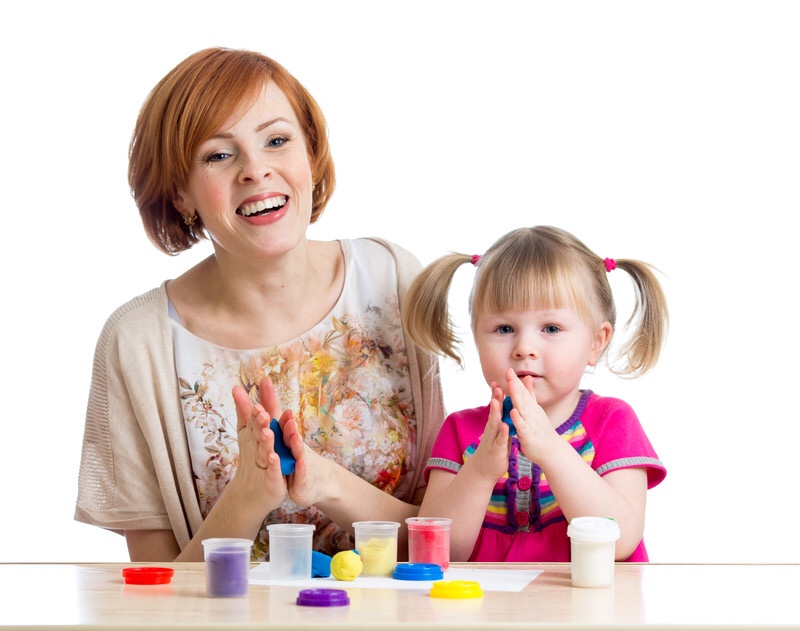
{"x": 180, "y": 205}
{"x": 601, "y": 339}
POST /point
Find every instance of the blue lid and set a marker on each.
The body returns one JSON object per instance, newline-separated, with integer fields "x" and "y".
{"x": 418, "y": 572}
{"x": 323, "y": 598}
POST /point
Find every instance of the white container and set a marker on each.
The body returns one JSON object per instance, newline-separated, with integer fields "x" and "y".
{"x": 290, "y": 551}
{"x": 592, "y": 542}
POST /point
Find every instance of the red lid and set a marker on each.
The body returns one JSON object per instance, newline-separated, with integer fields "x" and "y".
{"x": 147, "y": 575}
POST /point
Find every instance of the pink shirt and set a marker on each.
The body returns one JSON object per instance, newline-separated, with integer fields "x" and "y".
{"x": 523, "y": 521}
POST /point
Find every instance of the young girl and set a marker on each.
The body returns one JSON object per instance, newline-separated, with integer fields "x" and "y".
{"x": 541, "y": 311}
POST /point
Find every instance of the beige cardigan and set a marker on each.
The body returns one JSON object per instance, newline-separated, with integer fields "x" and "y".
{"x": 134, "y": 429}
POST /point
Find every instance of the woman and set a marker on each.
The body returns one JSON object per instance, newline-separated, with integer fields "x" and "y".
{"x": 177, "y": 446}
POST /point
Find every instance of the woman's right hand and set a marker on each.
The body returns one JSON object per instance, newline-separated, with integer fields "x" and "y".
{"x": 312, "y": 474}
{"x": 259, "y": 469}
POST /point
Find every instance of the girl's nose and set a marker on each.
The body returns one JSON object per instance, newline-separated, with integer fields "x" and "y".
{"x": 525, "y": 347}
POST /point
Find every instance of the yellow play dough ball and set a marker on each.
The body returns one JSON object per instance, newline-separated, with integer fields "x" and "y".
{"x": 346, "y": 565}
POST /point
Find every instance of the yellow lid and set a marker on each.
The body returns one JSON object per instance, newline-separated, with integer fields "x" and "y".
{"x": 456, "y": 589}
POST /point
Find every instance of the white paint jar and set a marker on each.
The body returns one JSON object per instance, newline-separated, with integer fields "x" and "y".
{"x": 592, "y": 542}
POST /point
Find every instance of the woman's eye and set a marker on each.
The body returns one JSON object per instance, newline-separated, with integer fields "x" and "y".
{"x": 277, "y": 141}
{"x": 552, "y": 329}
{"x": 217, "y": 157}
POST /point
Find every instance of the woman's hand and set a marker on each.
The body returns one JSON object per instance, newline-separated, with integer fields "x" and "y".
{"x": 259, "y": 469}
{"x": 311, "y": 475}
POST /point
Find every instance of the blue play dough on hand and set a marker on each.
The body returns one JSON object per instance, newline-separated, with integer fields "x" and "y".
{"x": 287, "y": 459}
{"x": 507, "y": 405}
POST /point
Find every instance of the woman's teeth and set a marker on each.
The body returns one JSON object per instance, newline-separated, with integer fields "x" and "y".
{"x": 265, "y": 205}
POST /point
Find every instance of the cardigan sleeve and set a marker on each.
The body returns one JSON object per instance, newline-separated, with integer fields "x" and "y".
{"x": 135, "y": 471}
{"x": 424, "y": 369}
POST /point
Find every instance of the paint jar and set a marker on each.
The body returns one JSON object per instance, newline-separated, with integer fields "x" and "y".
{"x": 376, "y": 544}
{"x": 429, "y": 540}
{"x": 290, "y": 551}
{"x": 227, "y": 566}
{"x": 592, "y": 543}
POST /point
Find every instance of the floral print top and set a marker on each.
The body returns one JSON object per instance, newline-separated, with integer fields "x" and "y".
{"x": 346, "y": 380}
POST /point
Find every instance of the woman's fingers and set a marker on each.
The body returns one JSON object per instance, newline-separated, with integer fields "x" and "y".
{"x": 269, "y": 398}
{"x": 244, "y": 407}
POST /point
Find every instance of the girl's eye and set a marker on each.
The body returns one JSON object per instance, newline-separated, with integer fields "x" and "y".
{"x": 504, "y": 329}
{"x": 551, "y": 329}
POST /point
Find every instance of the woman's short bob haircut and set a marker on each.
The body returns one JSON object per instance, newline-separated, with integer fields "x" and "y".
{"x": 188, "y": 106}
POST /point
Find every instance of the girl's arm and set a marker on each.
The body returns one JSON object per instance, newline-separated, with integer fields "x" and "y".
{"x": 580, "y": 491}
{"x": 463, "y": 497}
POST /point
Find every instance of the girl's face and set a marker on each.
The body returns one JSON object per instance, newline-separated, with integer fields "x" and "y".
{"x": 552, "y": 346}
{"x": 251, "y": 182}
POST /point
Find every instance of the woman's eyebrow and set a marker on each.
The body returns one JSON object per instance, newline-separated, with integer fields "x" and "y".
{"x": 261, "y": 127}
{"x": 279, "y": 119}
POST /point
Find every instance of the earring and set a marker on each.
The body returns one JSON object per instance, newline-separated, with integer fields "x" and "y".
{"x": 188, "y": 219}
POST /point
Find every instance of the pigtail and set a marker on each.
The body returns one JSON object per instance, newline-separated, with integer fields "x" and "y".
{"x": 648, "y": 323}
{"x": 426, "y": 317}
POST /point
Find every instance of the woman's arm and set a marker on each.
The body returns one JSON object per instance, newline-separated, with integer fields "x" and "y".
{"x": 257, "y": 488}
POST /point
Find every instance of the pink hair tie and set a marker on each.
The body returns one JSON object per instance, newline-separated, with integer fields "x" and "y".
{"x": 611, "y": 265}
{"x": 475, "y": 259}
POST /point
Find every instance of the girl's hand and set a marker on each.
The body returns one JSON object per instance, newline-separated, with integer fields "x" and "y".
{"x": 534, "y": 430}
{"x": 490, "y": 459}
{"x": 259, "y": 470}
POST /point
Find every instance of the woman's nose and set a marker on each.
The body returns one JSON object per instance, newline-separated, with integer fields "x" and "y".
{"x": 254, "y": 167}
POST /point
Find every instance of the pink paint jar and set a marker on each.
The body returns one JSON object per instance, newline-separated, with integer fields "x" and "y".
{"x": 429, "y": 540}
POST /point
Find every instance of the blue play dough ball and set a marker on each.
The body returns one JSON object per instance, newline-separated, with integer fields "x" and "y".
{"x": 287, "y": 459}
{"x": 320, "y": 564}
{"x": 507, "y": 405}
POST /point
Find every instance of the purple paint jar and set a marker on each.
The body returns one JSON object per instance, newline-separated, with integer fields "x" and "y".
{"x": 227, "y": 566}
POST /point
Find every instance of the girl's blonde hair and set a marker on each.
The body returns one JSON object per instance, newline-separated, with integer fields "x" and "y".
{"x": 549, "y": 268}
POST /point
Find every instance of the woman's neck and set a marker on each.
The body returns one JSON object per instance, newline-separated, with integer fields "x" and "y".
{"x": 240, "y": 304}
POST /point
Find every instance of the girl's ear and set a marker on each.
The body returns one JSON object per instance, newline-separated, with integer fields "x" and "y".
{"x": 601, "y": 340}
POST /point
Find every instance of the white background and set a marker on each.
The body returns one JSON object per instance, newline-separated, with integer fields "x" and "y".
{"x": 664, "y": 131}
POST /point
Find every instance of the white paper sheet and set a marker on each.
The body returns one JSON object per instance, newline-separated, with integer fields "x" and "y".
{"x": 489, "y": 580}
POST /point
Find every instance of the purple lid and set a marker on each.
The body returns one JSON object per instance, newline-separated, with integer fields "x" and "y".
{"x": 323, "y": 598}
{"x": 418, "y": 572}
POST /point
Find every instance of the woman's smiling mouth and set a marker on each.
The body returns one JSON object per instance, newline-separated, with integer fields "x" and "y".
{"x": 262, "y": 207}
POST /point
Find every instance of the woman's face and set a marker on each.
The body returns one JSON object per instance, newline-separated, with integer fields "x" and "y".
{"x": 250, "y": 183}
